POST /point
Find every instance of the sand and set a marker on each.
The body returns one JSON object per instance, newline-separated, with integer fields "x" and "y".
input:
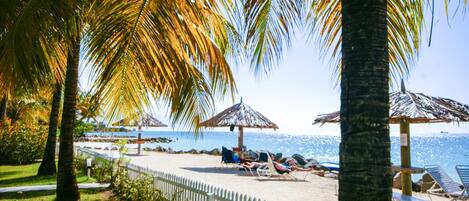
{"x": 207, "y": 169}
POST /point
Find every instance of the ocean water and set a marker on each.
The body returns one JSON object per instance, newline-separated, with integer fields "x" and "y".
{"x": 446, "y": 150}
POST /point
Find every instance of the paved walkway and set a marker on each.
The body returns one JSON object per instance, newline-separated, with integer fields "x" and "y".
{"x": 206, "y": 168}
{"x": 48, "y": 187}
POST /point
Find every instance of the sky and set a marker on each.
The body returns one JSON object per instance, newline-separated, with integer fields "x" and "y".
{"x": 303, "y": 85}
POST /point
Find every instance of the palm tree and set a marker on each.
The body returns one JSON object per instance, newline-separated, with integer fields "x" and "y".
{"x": 364, "y": 52}
{"x": 67, "y": 188}
{"x": 171, "y": 51}
{"x": 89, "y": 107}
{"x": 365, "y": 158}
{"x": 48, "y": 166}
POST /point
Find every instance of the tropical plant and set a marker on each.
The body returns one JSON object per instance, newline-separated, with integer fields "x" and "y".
{"x": 28, "y": 105}
{"x": 89, "y": 107}
{"x": 22, "y": 143}
{"x": 81, "y": 128}
{"x": 381, "y": 41}
{"x": 172, "y": 51}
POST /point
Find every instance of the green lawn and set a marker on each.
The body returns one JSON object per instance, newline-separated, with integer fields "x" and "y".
{"x": 25, "y": 175}
{"x": 85, "y": 194}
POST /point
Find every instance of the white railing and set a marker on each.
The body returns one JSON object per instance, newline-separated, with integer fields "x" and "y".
{"x": 175, "y": 187}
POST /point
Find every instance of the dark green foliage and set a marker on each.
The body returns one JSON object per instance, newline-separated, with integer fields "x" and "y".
{"x": 81, "y": 128}
{"x": 21, "y": 143}
{"x": 141, "y": 188}
{"x": 101, "y": 169}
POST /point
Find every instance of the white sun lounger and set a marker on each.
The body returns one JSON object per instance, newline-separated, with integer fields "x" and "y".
{"x": 463, "y": 172}
{"x": 449, "y": 187}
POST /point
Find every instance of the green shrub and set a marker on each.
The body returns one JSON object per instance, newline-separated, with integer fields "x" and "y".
{"x": 22, "y": 143}
{"x": 101, "y": 169}
{"x": 81, "y": 128}
{"x": 141, "y": 188}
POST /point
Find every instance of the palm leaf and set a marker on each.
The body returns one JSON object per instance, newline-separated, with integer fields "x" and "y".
{"x": 269, "y": 27}
{"x": 153, "y": 49}
{"x": 405, "y": 24}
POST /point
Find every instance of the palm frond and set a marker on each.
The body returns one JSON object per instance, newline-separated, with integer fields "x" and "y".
{"x": 30, "y": 50}
{"x": 405, "y": 24}
{"x": 153, "y": 47}
{"x": 269, "y": 27}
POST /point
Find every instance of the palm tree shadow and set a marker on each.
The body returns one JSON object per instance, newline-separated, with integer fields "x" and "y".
{"x": 213, "y": 170}
{"x": 8, "y": 173}
{"x": 281, "y": 179}
{"x": 27, "y": 195}
{"x": 28, "y": 179}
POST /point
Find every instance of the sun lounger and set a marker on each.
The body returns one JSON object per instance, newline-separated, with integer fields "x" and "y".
{"x": 305, "y": 163}
{"x": 330, "y": 166}
{"x": 270, "y": 170}
{"x": 252, "y": 167}
{"x": 463, "y": 172}
{"x": 448, "y": 187}
{"x": 227, "y": 158}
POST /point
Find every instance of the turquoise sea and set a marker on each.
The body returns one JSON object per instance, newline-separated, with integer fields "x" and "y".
{"x": 446, "y": 150}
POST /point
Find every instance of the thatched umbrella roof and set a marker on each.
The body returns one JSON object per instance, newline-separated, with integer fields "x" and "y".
{"x": 240, "y": 115}
{"x": 142, "y": 120}
{"x": 417, "y": 108}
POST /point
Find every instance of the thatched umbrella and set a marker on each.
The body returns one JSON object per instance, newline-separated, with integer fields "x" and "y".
{"x": 408, "y": 107}
{"x": 142, "y": 120}
{"x": 242, "y": 116}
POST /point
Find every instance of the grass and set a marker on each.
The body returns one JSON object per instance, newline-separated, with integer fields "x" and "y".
{"x": 25, "y": 175}
{"x": 85, "y": 195}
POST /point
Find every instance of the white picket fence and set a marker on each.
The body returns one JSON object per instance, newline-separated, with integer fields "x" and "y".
{"x": 175, "y": 187}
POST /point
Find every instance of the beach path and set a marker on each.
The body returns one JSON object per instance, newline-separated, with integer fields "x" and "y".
{"x": 206, "y": 169}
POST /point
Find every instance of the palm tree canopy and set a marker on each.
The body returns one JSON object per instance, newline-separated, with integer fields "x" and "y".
{"x": 417, "y": 107}
{"x": 144, "y": 120}
{"x": 239, "y": 115}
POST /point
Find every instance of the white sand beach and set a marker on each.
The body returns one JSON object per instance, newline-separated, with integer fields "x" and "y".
{"x": 206, "y": 168}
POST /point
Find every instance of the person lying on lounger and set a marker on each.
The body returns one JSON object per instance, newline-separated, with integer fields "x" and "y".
{"x": 289, "y": 165}
{"x": 252, "y": 165}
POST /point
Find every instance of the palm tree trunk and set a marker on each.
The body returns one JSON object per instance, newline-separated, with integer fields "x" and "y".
{"x": 365, "y": 165}
{"x": 67, "y": 188}
{"x": 3, "y": 107}
{"x": 48, "y": 161}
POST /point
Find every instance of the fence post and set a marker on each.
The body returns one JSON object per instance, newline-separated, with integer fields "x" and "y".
{"x": 211, "y": 196}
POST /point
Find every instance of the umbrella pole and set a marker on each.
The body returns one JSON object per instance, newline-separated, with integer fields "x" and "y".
{"x": 139, "y": 139}
{"x": 240, "y": 137}
{"x": 406, "y": 179}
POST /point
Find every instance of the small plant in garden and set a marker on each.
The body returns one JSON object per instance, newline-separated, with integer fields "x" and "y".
{"x": 22, "y": 143}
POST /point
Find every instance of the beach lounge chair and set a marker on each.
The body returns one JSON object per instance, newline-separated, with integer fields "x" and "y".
{"x": 252, "y": 167}
{"x": 270, "y": 170}
{"x": 330, "y": 166}
{"x": 463, "y": 172}
{"x": 227, "y": 158}
{"x": 304, "y": 162}
{"x": 448, "y": 187}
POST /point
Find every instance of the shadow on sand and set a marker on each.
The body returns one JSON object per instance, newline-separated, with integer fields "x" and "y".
{"x": 214, "y": 170}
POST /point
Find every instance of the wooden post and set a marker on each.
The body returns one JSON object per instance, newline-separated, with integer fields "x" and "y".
{"x": 138, "y": 142}
{"x": 240, "y": 137}
{"x": 406, "y": 178}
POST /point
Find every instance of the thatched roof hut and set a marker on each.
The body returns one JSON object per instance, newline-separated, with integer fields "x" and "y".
{"x": 407, "y": 107}
{"x": 239, "y": 115}
{"x": 417, "y": 108}
{"x": 142, "y": 120}
{"x": 242, "y": 116}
